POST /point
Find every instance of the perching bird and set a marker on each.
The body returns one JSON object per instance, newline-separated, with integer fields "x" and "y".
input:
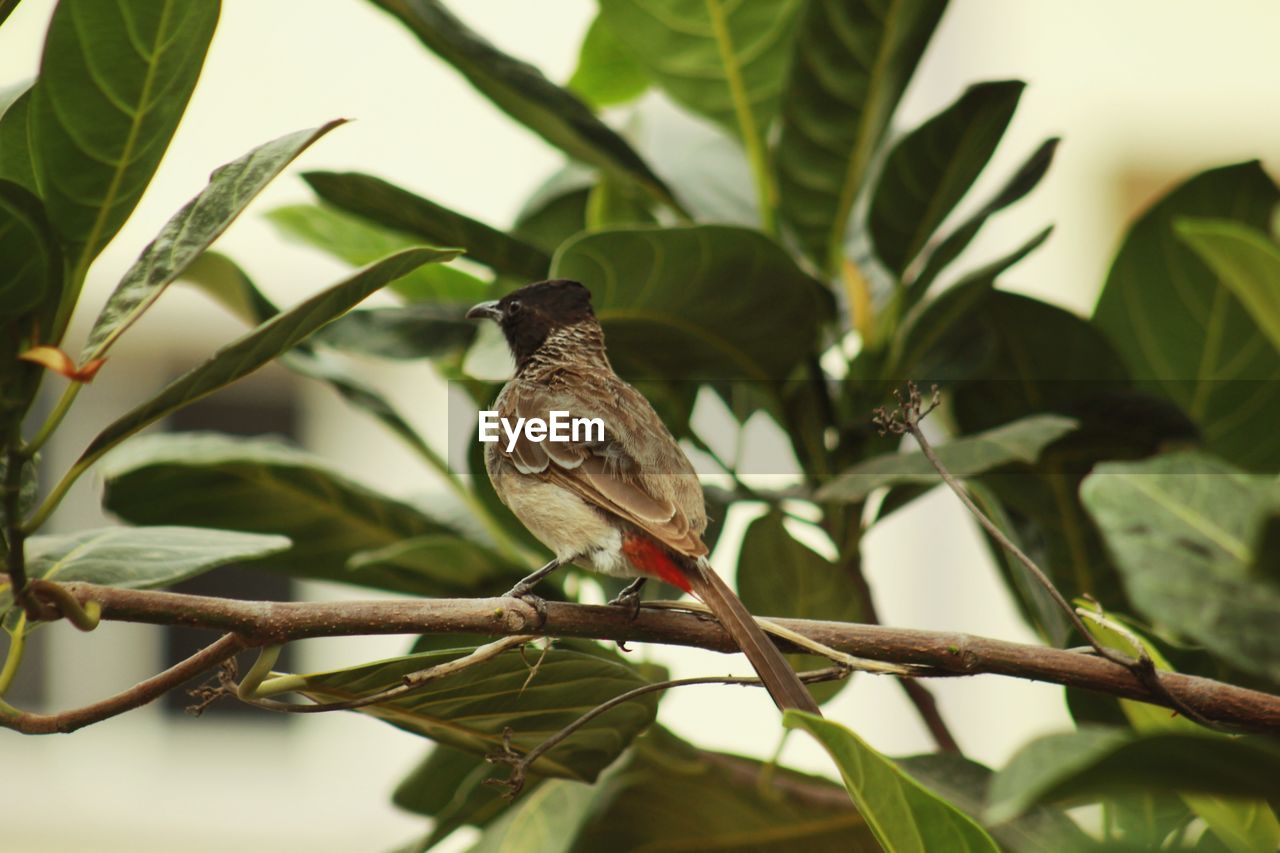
{"x": 628, "y": 506}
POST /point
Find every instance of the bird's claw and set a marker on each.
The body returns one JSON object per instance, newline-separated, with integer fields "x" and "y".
{"x": 630, "y": 599}
{"x": 525, "y": 593}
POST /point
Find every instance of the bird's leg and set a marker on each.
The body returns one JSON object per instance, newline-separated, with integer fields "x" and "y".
{"x": 523, "y": 590}
{"x": 630, "y": 597}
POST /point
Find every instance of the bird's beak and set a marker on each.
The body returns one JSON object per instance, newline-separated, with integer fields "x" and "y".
{"x": 485, "y": 309}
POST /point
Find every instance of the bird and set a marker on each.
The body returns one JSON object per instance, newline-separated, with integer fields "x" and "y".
{"x": 626, "y": 504}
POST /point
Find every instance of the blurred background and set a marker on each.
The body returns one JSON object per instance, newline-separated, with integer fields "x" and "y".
{"x": 1144, "y": 93}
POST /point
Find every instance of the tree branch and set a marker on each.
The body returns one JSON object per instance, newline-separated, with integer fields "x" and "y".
{"x": 936, "y": 653}
{"x": 135, "y": 697}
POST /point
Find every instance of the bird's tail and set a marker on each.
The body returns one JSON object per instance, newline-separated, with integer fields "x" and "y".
{"x": 779, "y": 678}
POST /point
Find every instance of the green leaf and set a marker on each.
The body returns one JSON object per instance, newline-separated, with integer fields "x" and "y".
{"x": 851, "y": 66}
{"x": 1182, "y": 529}
{"x": 450, "y": 787}
{"x": 1091, "y": 763}
{"x": 396, "y": 208}
{"x": 219, "y": 277}
{"x": 139, "y": 557}
{"x": 15, "y": 143}
{"x": 522, "y": 92}
{"x": 903, "y": 814}
{"x": 1019, "y": 441}
{"x": 778, "y": 576}
{"x": 533, "y": 694}
{"x": 1242, "y": 825}
{"x": 547, "y": 819}
{"x": 260, "y": 485}
{"x": 557, "y": 209}
{"x": 1017, "y": 357}
{"x": 357, "y": 241}
{"x": 444, "y": 559}
{"x": 246, "y": 354}
{"x": 191, "y": 231}
{"x": 965, "y": 784}
{"x": 912, "y": 353}
{"x": 1023, "y": 181}
{"x": 606, "y": 75}
{"x": 414, "y": 331}
{"x": 1183, "y": 333}
{"x": 114, "y": 81}
{"x": 725, "y": 61}
{"x": 673, "y": 795}
{"x": 29, "y": 256}
{"x": 702, "y": 302}
{"x": 1246, "y": 261}
{"x": 933, "y": 167}
{"x": 612, "y": 205}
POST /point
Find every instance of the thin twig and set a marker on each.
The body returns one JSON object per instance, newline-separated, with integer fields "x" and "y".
{"x": 408, "y": 683}
{"x": 135, "y": 697}
{"x": 521, "y": 763}
{"x": 906, "y": 418}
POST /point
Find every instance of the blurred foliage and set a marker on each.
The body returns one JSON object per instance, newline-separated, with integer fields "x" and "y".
{"x": 784, "y": 247}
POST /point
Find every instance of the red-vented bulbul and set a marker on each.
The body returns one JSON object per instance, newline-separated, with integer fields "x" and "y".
{"x": 629, "y": 505}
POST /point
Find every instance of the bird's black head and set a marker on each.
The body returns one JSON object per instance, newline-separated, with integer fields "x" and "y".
{"x": 529, "y": 315}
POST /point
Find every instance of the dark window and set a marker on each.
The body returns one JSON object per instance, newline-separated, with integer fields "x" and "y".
{"x": 255, "y": 406}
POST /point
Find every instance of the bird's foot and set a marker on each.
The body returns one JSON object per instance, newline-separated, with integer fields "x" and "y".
{"x": 524, "y": 592}
{"x": 630, "y": 597}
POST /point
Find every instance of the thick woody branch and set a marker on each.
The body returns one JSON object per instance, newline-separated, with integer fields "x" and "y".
{"x": 255, "y": 624}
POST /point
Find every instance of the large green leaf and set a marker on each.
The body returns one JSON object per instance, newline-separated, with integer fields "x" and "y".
{"x": 702, "y": 302}
{"x": 114, "y": 81}
{"x": 606, "y": 75}
{"x": 547, "y": 819}
{"x": 1090, "y": 763}
{"x": 1021, "y": 182}
{"x": 190, "y": 232}
{"x": 260, "y": 485}
{"x": 1243, "y": 825}
{"x": 1019, "y": 441}
{"x": 358, "y": 241}
{"x": 139, "y": 557}
{"x": 557, "y": 209}
{"x": 414, "y": 331}
{"x": 1016, "y": 357}
{"x": 30, "y": 261}
{"x": 851, "y": 66}
{"x": 779, "y": 576}
{"x": 931, "y": 169}
{"x": 672, "y": 795}
{"x": 522, "y": 92}
{"x": 393, "y": 207}
{"x": 965, "y": 784}
{"x": 1182, "y": 529}
{"x": 1246, "y": 261}
{"x": 903, "y": 814}
{"x": 451, "y": 787}
{"x": 1182, "y": 331}
{"x": 532, "y": 694}
{"x": 15, "y": 143}
{"x": 219, "y": 276}
{"x": 259, "y": 346}
{"x": 726, "y": 61}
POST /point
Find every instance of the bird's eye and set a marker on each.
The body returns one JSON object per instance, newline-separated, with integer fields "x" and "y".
{"x": 513, "y": 308}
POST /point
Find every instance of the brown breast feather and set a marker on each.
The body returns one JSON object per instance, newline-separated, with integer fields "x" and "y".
{"x": 638, "y": 473}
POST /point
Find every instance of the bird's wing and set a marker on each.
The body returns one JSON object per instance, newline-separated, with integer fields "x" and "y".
{"x": 604, "y": 474}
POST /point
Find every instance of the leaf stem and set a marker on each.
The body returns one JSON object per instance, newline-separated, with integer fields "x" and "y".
{"x": 766, "y": 188}
{"x": 12, "y": 660}
{"x": 55, "y": 418}
{"x": 50, "y": 503}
